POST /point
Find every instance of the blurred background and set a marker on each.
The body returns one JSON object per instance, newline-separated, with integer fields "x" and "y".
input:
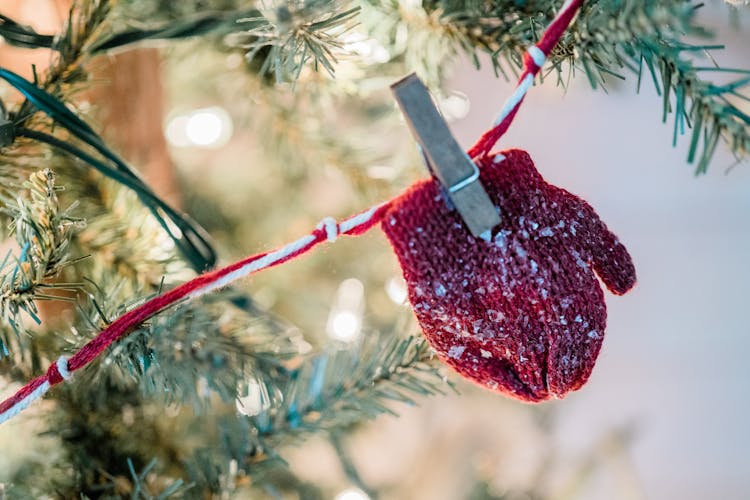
{"x": 664, "y": 413}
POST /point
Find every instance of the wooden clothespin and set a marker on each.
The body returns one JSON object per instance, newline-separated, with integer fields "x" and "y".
{"x": 454, "y": 169}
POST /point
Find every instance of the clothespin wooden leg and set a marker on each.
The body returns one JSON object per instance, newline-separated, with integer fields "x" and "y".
{"x": 454, "y": 169}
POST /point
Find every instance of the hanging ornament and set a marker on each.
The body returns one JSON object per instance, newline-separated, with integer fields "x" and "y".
{"x": 519, "y": 310}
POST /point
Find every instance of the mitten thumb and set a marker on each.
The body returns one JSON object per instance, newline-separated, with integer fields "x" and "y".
{"x": 610, "y": 258}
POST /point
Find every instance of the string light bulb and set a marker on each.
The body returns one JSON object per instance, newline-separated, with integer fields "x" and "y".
{"x": 208, "y": 128}
{"x": 352, "y": 494}
{"x": 345, "y": 318}
{"x": 395, "y": 288}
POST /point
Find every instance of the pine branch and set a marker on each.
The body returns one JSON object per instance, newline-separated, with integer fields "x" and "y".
{"x": 105, "y": 439}
{"x": 188, "y": 355}
{"x": 297, "y": 33}
{"x": 44, "y": 233}
{"x": 333, "y": 391}
{"x": 640, "y": 32}
{"x": 329, "y": 392}
{"x": 139, "y": 485}
{"x": 705, "y": 107}
{"x": 645, "y": 34}
{"x": 282, "y": 40}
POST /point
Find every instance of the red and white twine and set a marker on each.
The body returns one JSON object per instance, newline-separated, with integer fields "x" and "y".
{"x": 328, "y": 230}
{"x": 533, "y": 60}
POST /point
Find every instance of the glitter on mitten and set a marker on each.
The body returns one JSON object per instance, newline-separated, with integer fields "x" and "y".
{"x": 520, "y": 312}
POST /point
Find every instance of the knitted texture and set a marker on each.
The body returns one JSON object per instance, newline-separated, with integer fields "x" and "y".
{"x": 521, "y": 311}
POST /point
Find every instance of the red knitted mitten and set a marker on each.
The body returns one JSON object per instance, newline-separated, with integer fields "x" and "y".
{"x": 522, "y": 313}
